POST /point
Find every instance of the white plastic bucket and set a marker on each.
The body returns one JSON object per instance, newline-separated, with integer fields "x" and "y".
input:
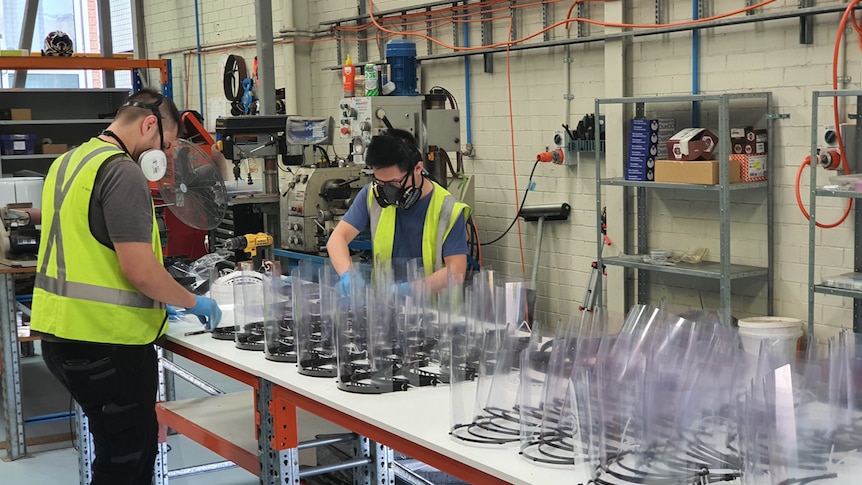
{"x": 786, "y": 331}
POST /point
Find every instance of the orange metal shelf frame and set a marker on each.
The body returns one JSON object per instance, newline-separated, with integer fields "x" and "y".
{"x": 283, "y": 409}
{"x": 80, "y": 62}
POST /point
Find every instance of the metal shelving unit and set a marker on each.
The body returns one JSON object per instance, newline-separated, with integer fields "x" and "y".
{"x": 69, "y": 116}
{"x": 815, "y": 192}
{"x": 723, "y": 270}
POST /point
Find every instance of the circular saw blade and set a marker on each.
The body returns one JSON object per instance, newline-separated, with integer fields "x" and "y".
{"x": 192, "y": 187}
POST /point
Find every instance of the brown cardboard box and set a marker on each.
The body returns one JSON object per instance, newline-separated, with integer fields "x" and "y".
{"x": 21, "y": 114}
{"x": 693, "y": 172}
{"x": 748, "y": 141}
{"x": 55, "y": 148}
{"x": 692, "y": 144}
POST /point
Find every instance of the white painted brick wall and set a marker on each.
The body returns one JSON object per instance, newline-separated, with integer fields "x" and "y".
{"x": 741, "y": 58}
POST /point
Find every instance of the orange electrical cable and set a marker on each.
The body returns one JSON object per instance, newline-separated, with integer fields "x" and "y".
{"x": 514, "y": 164}
{"x": 566, "y": 21}
{"x": 802, "y": 206}
{"x": 849, "y": 13}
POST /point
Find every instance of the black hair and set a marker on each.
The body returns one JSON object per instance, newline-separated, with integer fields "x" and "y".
{"x": 141, "y": 104}
{"x": 394, "y": 147}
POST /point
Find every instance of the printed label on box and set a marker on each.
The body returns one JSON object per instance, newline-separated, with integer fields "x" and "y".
{"x": 757, "y": 166}
{"x": 19, "y": 145}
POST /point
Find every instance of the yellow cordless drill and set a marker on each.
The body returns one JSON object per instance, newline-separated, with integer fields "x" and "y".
{"x": 249, "y": 242}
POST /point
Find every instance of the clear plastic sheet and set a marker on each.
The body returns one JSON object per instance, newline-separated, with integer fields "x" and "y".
{"x": 804, "y": 422}
{"x": 315, "y": 338}
{"x": 248, "y": 308}
{"x": 371, "y": 355}
{"x": 278, "y": 323}
{"x": 500, "y": 330}
{"x": 662, "y": 399}
{"x": 555, "y": 439}
{"x": 421, "y": 329}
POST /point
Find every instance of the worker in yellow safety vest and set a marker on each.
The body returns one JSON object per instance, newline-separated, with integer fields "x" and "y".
{"x": 101, "y": 286}
{"x": 410, "y": 217}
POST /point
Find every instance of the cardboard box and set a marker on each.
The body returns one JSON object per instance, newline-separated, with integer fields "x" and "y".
{"x": 692, "y": 144}
{"x": 693, "y": 172}
{"x": 55, "y": 148}
{"x": 748, "y": 141}
{"x": 752, "y": 168}
{"x": 21, "y": 114}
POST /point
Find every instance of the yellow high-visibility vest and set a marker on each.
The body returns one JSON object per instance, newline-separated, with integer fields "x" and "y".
{"x": 80, "y": 291}
{"x": 443, "y": 212}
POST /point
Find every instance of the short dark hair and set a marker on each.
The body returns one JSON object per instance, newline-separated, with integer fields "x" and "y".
{"x": 394, "y": 147}
{"x": 132, "y": 108}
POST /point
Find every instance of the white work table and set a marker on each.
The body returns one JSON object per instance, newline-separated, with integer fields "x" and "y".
{"x": 413, "y": 422}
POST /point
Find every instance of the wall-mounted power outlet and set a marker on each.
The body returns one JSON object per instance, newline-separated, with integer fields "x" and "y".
{"x": 560, "y": 138}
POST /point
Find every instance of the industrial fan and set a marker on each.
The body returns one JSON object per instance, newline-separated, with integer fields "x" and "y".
{"x": 193, "y": 188}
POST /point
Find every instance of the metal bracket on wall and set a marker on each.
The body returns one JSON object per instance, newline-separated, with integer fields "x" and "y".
{"x": 583, "y": 12}
{"x": 514, "y": 19}
{"x": 749, "y": 3}
{"x": 806, "y": 24}
{"x": 487, "y": 39}
{"x": 428, "y": 30}
{"x": 546, "y": 19}
{"x": 362, "y": 47}
{"x": 778, "y": 116}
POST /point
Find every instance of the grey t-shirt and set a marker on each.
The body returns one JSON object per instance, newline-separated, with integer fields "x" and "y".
{"x": 121, "y": 204}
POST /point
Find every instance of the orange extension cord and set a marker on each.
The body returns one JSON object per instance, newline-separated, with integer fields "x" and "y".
{"x": 849, "y": 13}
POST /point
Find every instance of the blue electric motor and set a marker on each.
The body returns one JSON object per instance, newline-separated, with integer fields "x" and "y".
{"x": 401, "y": 57}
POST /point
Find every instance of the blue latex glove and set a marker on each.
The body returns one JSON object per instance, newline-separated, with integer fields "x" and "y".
{"x": 402, "y": 290}
{"x": 207, "y": 311}
{"x": 173, "y": 312}
{"x": 349, "y": 278}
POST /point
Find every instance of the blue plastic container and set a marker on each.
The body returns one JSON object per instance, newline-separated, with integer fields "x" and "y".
{"x": 18, "y": 144}
{"x": 401, "y": 57}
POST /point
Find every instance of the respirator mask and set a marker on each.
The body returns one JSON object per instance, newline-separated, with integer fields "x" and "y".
{"x": 387, "y": 193}
{"x": 153, "y": 162}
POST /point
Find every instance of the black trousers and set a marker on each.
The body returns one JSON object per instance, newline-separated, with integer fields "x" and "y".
{"x": 116, "y": 386}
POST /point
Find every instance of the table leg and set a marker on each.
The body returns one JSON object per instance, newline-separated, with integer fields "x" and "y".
{"x": 11, "y": 382}
{"x": 86, "y": 451}
{"x": 277, "y": 438}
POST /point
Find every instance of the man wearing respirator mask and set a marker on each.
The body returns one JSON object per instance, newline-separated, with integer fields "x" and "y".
{"x": 101, "y": 286}
{"x": 410, "y": 217}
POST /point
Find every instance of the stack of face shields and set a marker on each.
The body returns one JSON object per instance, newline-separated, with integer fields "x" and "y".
{"x": 423, "y": 333}
{"x": 248, "y": 308}
{"x": 657, "y": 407}
{"x": 547, "y": 402}
{"x": 278, "y": 323}
{"x": 496, "y": 333}
{"x": 315, "y": 332}
{"x": 802, "y": 423}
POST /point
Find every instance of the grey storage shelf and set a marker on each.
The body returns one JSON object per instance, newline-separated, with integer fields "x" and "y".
{"x": 621, "y": 182}
{"x": 705, "y": 269}
{"x": 69, "y": 116}
{"x": 847, "y": 194}
{"x": 831, "y": 290}
{"x": 757, "y": 105}
{"x": 815, "y": 192}
{"x": 53, "y": 122}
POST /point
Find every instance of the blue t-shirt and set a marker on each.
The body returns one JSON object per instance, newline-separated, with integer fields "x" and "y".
{"x": 409, "y": 225}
